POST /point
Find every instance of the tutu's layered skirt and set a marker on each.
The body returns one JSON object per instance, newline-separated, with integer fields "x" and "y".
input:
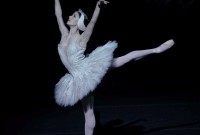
{"x": 72, "y": 87}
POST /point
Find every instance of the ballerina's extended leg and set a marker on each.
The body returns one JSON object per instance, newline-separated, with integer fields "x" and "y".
{"x": 138, "y": 54}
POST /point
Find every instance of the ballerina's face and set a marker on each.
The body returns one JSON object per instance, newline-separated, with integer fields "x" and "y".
{"x": 73, "y": 19}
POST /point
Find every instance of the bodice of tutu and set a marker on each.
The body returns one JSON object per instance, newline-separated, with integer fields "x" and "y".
{"x": 72, "y": 57}
{"x": 85, "y": 73}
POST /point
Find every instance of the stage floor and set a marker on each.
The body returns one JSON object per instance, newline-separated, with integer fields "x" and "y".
{"x": 114, "y": 116}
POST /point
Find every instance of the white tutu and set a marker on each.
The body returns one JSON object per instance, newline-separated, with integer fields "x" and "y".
{"x": 85, "y": 73}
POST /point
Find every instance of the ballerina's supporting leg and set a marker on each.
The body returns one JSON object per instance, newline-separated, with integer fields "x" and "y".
{"x": 90, "y": 121}
{"x": 138, "y": 54}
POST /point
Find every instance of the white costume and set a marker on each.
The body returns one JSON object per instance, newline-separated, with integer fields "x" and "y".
{"x": 84, "y": 73}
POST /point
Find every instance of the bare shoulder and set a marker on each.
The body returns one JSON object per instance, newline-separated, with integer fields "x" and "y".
{"x": 83, "y": 41}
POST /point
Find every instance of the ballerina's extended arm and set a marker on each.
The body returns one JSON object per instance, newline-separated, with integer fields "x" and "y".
{"x": 85, "y": 36}
{"x": 58, "y": 12}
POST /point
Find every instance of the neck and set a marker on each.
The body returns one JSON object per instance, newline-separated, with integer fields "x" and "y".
{"x": 74, "y": 30}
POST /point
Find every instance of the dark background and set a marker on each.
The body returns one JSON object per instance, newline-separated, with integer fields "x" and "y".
{"x": 32, "y": 67}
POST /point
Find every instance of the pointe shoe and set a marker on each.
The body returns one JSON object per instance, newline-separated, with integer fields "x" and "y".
{"x": 165, "y": 46}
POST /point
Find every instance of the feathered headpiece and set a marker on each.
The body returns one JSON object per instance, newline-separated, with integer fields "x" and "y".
{"x": 80, "y": 24}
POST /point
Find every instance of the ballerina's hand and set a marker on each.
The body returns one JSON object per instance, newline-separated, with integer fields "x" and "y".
{"x": 100, "y": 2}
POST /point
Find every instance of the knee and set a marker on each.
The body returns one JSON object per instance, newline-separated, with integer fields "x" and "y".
{"x": 117, "y": 62}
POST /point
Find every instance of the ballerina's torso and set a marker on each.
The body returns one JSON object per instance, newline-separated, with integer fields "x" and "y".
{"x": 71, "y": 39}
{"x": 70, "y": 51}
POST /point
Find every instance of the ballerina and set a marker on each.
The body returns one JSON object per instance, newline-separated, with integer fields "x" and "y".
{"x": 86, "y": 72}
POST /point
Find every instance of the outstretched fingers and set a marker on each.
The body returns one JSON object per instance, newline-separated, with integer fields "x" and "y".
{"x": 103, "y": 2}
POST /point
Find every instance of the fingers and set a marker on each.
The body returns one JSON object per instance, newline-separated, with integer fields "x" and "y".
{"x": 103, "y": 2}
